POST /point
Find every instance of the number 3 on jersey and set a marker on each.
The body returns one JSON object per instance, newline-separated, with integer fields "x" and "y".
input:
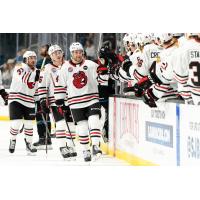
{"x": 194, "y": 70}
{"x": 20, "y": 71}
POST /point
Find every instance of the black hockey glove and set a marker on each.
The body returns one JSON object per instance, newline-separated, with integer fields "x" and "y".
{"x": 59, "y": 102}
{"x": 145, "y": 83}
{"x": 102, "y": 70}
{"x": 139, "y": 91}
{"x": 37, "y": 76}
{"x": 136, "y": 89}
{"x": 126, "y": 64}
{"x": 4, "y": 95}
{"x": 149, "y": 98}
{"x": 44, "y": 106}
{"x": 61, "y": 106}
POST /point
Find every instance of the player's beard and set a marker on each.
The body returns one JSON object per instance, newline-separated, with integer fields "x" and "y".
{"x": 78, "y": 59}
{"x": 32, "y": 64}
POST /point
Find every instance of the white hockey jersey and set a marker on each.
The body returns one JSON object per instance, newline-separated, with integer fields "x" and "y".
{"x": 123, "y": 76}
{"x": 137, "y": 60}
{"x": 187, "y": 69}
{"x": 166, "y": 86}
{"x": 23, "y": 86}
{"x": 144, "y": 61}
{"x": 47, "y": 81}
{"x": 81, "y": 83}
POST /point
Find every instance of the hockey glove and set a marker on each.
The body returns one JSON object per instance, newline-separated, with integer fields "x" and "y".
{"x": 62, "y": 108}
{"x": 126, "y": 64}
{"x": 102, "y": 70}
{"x": 59, "y": 102}
{"x": 37, "y": 76}
{"x": 139, "y": 91}
{"x": 136, "y": 89}
{"x": 4, "y": 95}
{"x": 145, "y": 83}
{"x": 149, "y": 98}
{"x": 141, "y": 86}
{"x": 44, "y": 106}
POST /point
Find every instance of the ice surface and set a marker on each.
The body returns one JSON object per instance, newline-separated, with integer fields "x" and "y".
{"x": 52, "y": 158}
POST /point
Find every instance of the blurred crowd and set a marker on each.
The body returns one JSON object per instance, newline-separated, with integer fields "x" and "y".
{"x": 8, "y": 67}
{"x": 86, "y": 39}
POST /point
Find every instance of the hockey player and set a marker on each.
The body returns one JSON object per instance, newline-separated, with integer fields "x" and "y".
{"x": 127, "y": 45}
{"x": 46, "y": 88}
{"x": 106, "y": 85}
{"x": 21, "y": 100}
{"x": 186, "y": 70}
{"x": 41, "y": 128}
{"x": 142, "y": 61}
{"x": 149, "y": 54}
{"x": 161, "y": 72}
{"x": 79, "y": 76}
{"x": 3, "y": 93}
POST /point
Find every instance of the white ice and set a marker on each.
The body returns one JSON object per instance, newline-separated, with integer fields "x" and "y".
{"x": 52, "y": 158}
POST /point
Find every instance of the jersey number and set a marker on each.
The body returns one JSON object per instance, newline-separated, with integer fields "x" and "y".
{"x": 20, "y": 71}
{"x": 195, "y": 69}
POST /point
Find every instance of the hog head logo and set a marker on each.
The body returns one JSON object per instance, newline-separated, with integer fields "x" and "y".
{"x": 80, "y": 79}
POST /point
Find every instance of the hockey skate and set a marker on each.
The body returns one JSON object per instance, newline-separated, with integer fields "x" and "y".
{"x": 65, "y": 153}
{"x": 12, "y": 146}
{"x": 40, "y": 145}
{"x": 73, "y": 152}
{"x": 29, "y": 148}
{"x": 96, "y": 152}
{"x": 87, "y": 155}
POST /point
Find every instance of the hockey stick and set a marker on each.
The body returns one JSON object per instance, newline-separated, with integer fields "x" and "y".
{"x": 47, "y": 129}
{"x": 43, "y": 63}
{"x": 45, "y": 118}
{"x": 64, "y": 115}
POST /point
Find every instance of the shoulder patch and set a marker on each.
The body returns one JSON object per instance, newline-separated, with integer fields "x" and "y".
{"x": 158, "y": 59}
{"x": 19, "y": 65}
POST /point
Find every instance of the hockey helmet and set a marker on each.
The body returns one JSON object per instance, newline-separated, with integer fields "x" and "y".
{"x": 28, "y": 54}
{"x": 76, "y": 46}
{"x": 191, "y": 34}
{"x": 145, "y": 39}
{"x": 165, "y": 37}
{"x": 54, "y": 48}
{"x": 177, "y": 34}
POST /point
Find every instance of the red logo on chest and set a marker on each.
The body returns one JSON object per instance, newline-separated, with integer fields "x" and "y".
{"x": 80, "y": 79}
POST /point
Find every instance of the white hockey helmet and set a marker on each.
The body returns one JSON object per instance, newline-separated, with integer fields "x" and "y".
{"x": 165, "y": 37}
{"x": 54, "y": 48}
{"x": 75, "y": 46}
{"x": 192, "y": 34}
{"x": 152, "y": 35}
{"x": 132, "y": 37}
{"x": 126, "y": 39}
{"x": 177, "y": 34}
{"x": 146, "y": 38}
{"x": 28, "y": 54}
{"x": 142, "y": 39}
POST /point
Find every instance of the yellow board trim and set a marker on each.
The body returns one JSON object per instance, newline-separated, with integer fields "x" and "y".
{"x": 122, "y": 155}
{"x": 4, "y": 118}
